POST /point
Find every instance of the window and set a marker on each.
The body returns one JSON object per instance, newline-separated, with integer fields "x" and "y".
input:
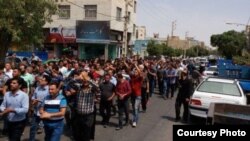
{"x": 129, "y": 16}
{"x": 64, "y": 11}
{"x": 118, "y": 14}
{"x": 135, "y": 4}
{"x": 137, "y": 34}
{"x": 90, "y": 11}
{"x": 219, "y": 88}
{"x": 134, "y": 29}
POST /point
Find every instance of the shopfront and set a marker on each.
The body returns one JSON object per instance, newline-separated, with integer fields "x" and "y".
{"x": 94, "y": 40}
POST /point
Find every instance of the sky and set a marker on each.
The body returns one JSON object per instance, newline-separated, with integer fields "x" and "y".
{"x": 196, "y": 18}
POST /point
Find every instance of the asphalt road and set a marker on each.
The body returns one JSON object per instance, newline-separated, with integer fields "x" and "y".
{"x": 154, "y": 125}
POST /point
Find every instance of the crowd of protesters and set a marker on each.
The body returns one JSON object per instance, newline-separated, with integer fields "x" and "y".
{"x": 72, "y": 90}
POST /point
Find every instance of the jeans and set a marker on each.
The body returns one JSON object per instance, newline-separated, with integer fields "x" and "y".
{"x": 151, "y": 87}
{"x": 34, "y": 126}
{"x": 53, "y": 130}
{"x": 15, "y": 130}
{"x": 172, "y": 88}
{"x": 165, "y": 87}
{"x": 136, "y": 101}
{"x": 123, "y": 106}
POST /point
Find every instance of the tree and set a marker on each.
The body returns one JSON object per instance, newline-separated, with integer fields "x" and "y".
{"x": 191, "y": 52}
{"x": 178, "y": 52}
{"x": 167, "y": 51}
{"x": 154, "y": 49}
{"x": 22, "y": 22}
{"x": 229, "y": 43}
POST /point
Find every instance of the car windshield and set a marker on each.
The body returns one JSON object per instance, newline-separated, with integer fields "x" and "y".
{"x": 219, "y": 88}
{"x": 211, "y": 69}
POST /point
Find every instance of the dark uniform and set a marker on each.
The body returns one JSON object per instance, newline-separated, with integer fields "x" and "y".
{"x": 183, "y": 96}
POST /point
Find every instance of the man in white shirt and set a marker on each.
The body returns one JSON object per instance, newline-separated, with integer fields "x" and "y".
{"x": 8, "y": 70}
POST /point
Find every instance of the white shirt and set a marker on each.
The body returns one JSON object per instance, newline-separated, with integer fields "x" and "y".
{"x": 8, "y": 73}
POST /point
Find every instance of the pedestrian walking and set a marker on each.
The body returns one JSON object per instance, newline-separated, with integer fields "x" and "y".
{"x": 136, "y": 84}
{"x": 85, "y": 109}
{"x": 107, "y": 90}
{"x": 15, "y": 106}
{"x": 185, "y": 91}
{"x": 52, "y": 113}
{"x": 41, "y": 91}
{"x": 123, "y": 91}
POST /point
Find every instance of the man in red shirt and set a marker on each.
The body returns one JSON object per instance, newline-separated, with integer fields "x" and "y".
{"x": 136, "y": 83}
{"x": 123, "y": 91}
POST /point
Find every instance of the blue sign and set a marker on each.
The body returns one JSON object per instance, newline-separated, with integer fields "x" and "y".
{"x": 93, "y": 30}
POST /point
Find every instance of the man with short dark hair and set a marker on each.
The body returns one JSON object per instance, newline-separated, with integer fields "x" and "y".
{"x": 15, "y": 106}
{"x": 38, "y": 96}
{"x": 183, "y": 96}
{"x": 107, "y": 90}
{"x": 85, "y": 109}
{"x": 52, "y": 113}
{"x": 123, "y": 91}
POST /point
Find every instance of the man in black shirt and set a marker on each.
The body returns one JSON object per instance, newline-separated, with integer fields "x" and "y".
{"x": 183, "y": 96}
{"x": 107, "y": 90}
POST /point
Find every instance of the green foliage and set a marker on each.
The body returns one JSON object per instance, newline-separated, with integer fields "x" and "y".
{"x": 22, "y": 21}
{"x": 155, "y": 49}
{"x": 242, "y": 60}
{"x": 191, "y": 52}
{"x": 167, "y": 51}
{"x": 178, "y": 52}
{"x": 229, "y": 43}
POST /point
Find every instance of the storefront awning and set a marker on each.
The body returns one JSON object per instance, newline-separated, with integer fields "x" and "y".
{"x": 54, "y": 38}
{"x": 58, "y": 38}
{"x": 70, "y": 39}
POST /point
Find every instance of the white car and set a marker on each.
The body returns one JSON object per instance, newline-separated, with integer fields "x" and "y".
{"x": 211, "y": 71}
{"x": 215, "y": 90}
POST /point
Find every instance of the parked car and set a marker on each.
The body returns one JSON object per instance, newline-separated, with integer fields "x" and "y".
{"x": 215, "y": 90}
{"x": 211, "y": 71}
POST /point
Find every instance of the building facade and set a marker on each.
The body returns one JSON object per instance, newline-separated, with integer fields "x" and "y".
{"x": 140, "y": 46}
{"x": 97, "y": 27}
{"x": 140, "y": 33}
{"x": 177, "y": 43}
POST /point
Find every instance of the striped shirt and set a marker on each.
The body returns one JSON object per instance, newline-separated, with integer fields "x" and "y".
{"x": 54, "y": 105}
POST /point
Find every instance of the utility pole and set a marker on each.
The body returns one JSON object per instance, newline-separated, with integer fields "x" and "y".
{"x": 173, "y": 28}
{"x": 125, "y": 30}
{"x": 187, "y": 44}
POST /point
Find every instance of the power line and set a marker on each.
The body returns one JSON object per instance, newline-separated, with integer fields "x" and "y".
{"x": 155, "y": 20}
{"x": 153, "y": 16}
{"x": 152, "y": 4}
{"x": 84, "y": 8}
{"x": 100, "y": 13}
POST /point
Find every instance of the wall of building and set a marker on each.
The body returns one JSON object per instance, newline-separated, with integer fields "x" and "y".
{"x": 106, "y": 11}
{"x": 140, "y": 33}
